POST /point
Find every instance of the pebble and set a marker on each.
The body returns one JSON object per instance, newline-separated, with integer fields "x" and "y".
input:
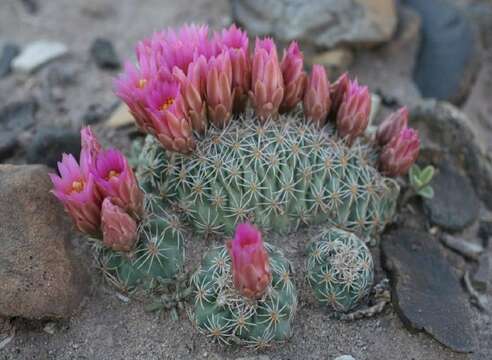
{"x": 36, "y": 54}
{"x": 345, "y": 357}
{"x": 104, "y": 54}
{"x": 9, "y": 52}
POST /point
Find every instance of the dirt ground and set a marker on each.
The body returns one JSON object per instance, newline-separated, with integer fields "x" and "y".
{"x": 107, "y": 327}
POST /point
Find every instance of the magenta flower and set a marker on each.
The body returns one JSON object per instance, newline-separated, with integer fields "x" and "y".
{"x": 118, "y": 228}
{"x": 250, "y": 265}
{"x": 115, "y": 179}
{"x": 267, "y": 86}
{"x": 400, "y": 153}
{"x": 168, "y": 115}
{"x": 337, "y": 93}
{"x": 392, "y": 126}
{"x": 219, "y": 89}
{"x": 76, "y": 189}
{"x": 354, "y": 111}
{"x": 317, "y": 97}
{"x": 235, "y": 42}
{"x": 292, "y": 66}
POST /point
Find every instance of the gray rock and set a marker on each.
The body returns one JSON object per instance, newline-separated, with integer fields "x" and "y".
{"x": 49, "y": 144}
{"x": 9, "y": 52}
{"x": 36, "y": 54}
{"x": 426, "y": 293}
{"x": 447, "y": 136}
{"x": 481, "y": 277}
{"x": 455, "y": 204}
{"x": 39, "y": 274}
{"x": 449, "y": 56}
{"x": 320, "y": 23}
{"x": 103, "y": 52}
{"x": 464, "y": 247}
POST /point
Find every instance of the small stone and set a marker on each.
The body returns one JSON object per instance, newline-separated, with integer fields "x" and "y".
{"x": 49, "y": 144}
{"x": 345, "y": 357}
{"x": 336, "y": 61}
{"x": 36, "y": 54}
{"x": 40, "y": 277}
{"x": 427, "y": 294}
{"x": 466, "y": 248}
{"x": 120, "y": 117}
{"x": 482, "y": 276}
{"x": 449, "y": 57}
{"x": 9, "y": 52}
{"x": 455, "y": 204}
{"x": 319, "y": 23}
{"x": 103, "y": 52}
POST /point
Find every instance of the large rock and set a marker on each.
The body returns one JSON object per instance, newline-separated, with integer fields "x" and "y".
{"x": 455, "y": 204}
{"x": 425, "y": 291}
{"x": 321, "y": 23}
{"x": 449, "y": 56}
{"x": 447, "y": 134}
{"x": 39, "y": 275}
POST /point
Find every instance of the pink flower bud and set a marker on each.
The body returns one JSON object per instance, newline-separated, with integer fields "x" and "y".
{"x": 76, "y": 189}
{"x": 354, "y": 111}
{"x": 337, "y": 92}
{"x": 267, "y": 87}
{"x": 119, "y": 229}
{"x": 250, "y": 266}
{"x": 90, "y": 148}
{"x": 317, "y": 97}
{"x": 294, "y": 76}
{"x": 219, "y": 89}
{"x": 115, "y": 179}
{"x": 235, "y": 42}
{"x": 400, "y": 153}
{"x": 392, "y": 126}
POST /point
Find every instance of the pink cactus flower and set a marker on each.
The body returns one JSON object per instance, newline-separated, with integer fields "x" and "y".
{"x": 193, "y": 91}
{"x": 392, "y": 126}
{"x": 400, "y": 153}
{"x": 235, "y": 42}
{"x": 292, "y": 66}
{"x": 354, "y": 111}
{"x": 168, "y": 115}
{"x": 76, "y": 189}
{"x": 267, "y": 86}
{"x": 219, "y": 89}
{"x": 337, "y": 92}
{"x": 250, "y": 266}
{"x": 317, "y": 97}
{"x": 118, "y": 228}
{"x": 116, "y": 180}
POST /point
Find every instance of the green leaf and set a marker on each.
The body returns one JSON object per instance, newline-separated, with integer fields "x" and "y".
{"x": 427, "y": 174}
{"x": 426, "y": 192}
{"x": 416, "y": 183}
{"x": 414, "y": 171}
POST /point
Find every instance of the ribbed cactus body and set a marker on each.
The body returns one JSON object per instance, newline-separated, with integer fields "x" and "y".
{"x": 156, "y": 260}
{"x": 278, "y": 175}
{"x": 340, "y": 269}
{"x": 221, "y": 312}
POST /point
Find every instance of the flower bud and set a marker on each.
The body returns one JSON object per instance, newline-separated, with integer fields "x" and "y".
{"x": 292, "y": 66}
{"x": 317, "y": 98}
{"x": 119, "y": 229}
{"x": 392, "y": 126}
{"x": 400, "y": 153}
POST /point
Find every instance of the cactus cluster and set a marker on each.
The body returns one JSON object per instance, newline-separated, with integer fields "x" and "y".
{"x": 340, "y": 269}
{"x": 223, "y": 312}
{"x": 278, "y": 175}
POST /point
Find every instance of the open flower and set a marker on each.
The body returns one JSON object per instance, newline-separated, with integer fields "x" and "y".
{"x": 168, "y": 114}
{"x": 317, "y": 97}
{"x": 294, "y": 76}
{"x": 118, "y": 228}
{"x": 392, "y": 126}
{"x": 250, "y": 267}
{"x": 400, "y": 153}
{"x": 76, "y": 189}
{"x": 116, "y": 180}
{"x": 219, "y": 89}
{"x": 267, "y": 86}
{"x": 354, "y": 111}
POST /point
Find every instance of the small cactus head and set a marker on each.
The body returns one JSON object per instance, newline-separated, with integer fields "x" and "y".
{"x": 250, "y": 266}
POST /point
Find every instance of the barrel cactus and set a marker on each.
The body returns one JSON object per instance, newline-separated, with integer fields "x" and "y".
{"x": 340, "y": 269}
{"x": 225, "y": 309}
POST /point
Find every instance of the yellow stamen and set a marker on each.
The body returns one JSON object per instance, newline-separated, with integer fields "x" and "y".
{"x": 112, "y": 174}
{"x": 77, "y": 186}
{"x": 142, "y": 83}
{"x": 167, "y": 103}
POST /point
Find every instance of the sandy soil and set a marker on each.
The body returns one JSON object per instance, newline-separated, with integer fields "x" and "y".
{"x": 108, "y": 328}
